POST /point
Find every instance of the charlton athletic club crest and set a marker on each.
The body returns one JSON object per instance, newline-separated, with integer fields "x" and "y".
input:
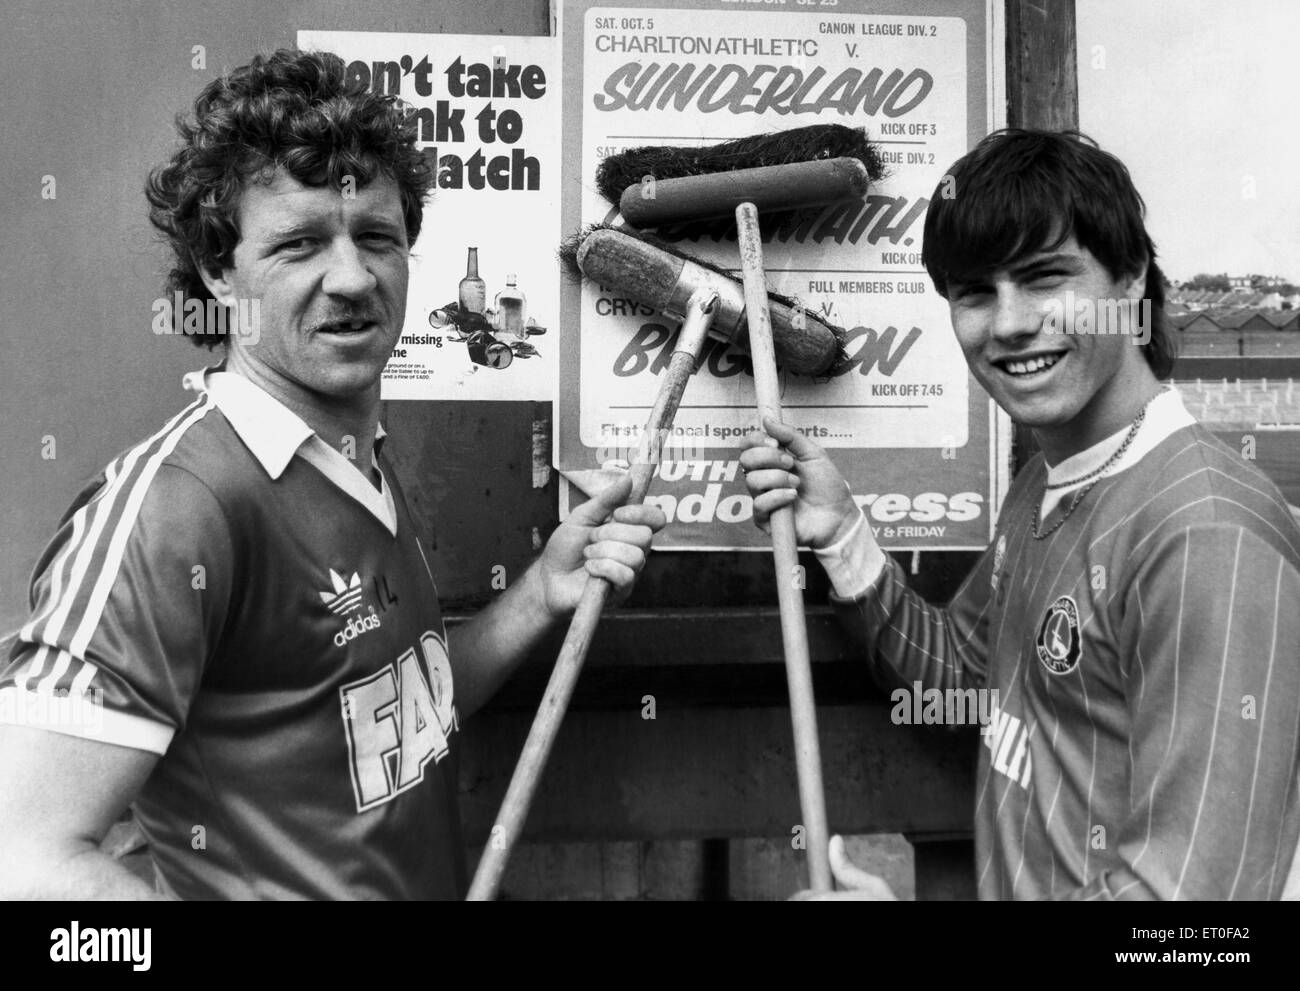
{"x": 1058, "y": 641}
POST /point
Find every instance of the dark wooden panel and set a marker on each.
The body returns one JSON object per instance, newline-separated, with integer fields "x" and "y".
{"x": 719, "y": 772}
{"x": 467, "y": 470}
{"x": 703, "y": 657}
{"x": 945, "y": 869}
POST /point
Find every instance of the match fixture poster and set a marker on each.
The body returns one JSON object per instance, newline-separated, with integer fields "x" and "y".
{"x": 923, "y": 447}
{"x": 483, "y": 302}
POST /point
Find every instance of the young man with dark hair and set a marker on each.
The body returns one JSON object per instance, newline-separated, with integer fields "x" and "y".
{"x": 236, "y": 627}
{"x": 1138, "y": 612}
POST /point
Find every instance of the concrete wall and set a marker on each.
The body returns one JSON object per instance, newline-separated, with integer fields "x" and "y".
{"x": 1215, "y": 343}
{"x": 1259, "y": 343}
{"x": 1270, "y": 344}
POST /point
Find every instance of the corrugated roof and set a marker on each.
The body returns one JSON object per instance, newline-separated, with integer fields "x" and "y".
{"x": 1235, "y": 319}
{"x": 1284, "y": 318}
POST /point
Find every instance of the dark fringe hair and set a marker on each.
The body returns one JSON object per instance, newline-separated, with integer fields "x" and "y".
{"x": 293, "y": 110}
{"x": 1023, "y": 191}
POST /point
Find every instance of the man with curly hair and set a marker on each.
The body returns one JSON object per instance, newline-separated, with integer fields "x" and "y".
{"x": 235, "y": 627}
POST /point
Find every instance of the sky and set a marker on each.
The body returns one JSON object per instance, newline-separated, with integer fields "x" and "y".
{"x": 1201, "y": 100}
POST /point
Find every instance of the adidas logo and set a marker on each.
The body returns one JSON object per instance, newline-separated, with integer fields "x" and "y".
{"x": 346, "y": 596}
{"x": 344, "y": 599}
{"x": 357, "y": 626}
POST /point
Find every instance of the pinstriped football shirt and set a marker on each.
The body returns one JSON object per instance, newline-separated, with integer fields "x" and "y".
{"x": 1146, "y": 657}
{"x": 236, "y": 597}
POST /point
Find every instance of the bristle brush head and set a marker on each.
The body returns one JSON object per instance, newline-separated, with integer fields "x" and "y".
{"x": 801, "y": 144}
{"x": 662, "y": 277}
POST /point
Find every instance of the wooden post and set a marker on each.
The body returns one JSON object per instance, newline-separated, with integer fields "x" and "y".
{"x": 1042, "y": 65}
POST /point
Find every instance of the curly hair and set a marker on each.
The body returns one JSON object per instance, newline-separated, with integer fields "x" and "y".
{"x": 1021, "y": 191}
{"x": 294, "y": 110}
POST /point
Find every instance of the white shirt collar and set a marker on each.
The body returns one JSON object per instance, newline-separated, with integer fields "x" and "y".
{"x": 273, "y": 433}
{"x": 1165, "y": 414}
{"x": 269, "y": 429}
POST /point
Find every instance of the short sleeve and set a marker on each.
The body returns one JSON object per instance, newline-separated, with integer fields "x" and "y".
{"x": 129, "y": 601}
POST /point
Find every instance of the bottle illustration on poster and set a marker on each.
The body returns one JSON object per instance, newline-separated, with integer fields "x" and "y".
{"x": 495, "y": 335}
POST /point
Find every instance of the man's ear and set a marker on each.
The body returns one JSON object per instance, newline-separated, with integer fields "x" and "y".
{"x": 1136, "y": 286}
{"x": 215, "y": 279}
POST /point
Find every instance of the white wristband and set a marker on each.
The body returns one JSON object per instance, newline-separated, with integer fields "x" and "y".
{"x": 854, "y": 562}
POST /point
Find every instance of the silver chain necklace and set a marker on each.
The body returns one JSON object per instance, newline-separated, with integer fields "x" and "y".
{"x": 1093, "y": 475}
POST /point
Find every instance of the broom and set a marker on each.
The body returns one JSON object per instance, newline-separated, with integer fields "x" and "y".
{"x": 806, "y": 167}
{"x": 710, "y": 303}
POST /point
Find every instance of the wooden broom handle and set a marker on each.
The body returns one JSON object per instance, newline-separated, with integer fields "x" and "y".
{"x": 794, "y": 630}
{"x": 559, "y": 690}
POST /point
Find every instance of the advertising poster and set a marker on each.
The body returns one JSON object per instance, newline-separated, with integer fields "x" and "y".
{"x": 483, "y": 303}
{"x": 923, "y": 447}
